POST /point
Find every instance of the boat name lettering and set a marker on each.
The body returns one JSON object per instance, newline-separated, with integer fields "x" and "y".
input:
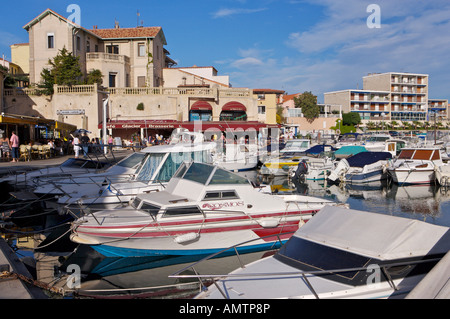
{"x": 215, "y": 206}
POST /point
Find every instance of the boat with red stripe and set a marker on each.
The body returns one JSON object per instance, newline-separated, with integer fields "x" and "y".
{"x": 202, "y": 210}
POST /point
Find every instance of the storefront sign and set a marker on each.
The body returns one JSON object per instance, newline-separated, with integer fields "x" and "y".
{"x": 70, "y": 112}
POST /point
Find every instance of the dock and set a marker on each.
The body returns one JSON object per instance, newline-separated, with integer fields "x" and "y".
{"x": 11, "y": 272}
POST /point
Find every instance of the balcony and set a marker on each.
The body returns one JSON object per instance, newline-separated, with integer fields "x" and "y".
{"x": 108, "y": 57}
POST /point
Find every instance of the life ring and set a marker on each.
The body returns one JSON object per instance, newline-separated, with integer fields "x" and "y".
{"x": 338, "y": 132}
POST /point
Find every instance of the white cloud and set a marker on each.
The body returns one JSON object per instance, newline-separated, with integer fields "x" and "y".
{"x": 336, "y": 52}
{"x": 225, "y": 12}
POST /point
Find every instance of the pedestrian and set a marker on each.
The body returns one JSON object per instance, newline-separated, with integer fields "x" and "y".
{"x": 110, "y": 143}
{"x": 76, "y": 145}
{"x": 14, "y": 145}
{"x": 85, "y": 144}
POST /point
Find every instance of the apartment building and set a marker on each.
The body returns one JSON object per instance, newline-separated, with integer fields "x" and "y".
{"x": 438, "y": 108}
{"x": 371, "y": 105}
{"x": 388, "y": 96}
{"x": 409, "y": 93}
{"x": 127, "y": 57}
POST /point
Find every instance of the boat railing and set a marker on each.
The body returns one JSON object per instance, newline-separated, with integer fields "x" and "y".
{"x": 301, "y": 274}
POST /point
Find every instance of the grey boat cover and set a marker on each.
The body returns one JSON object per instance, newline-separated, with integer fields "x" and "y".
{"x": 376, "y": 235}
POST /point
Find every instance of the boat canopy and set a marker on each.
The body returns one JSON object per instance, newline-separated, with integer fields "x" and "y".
{"x": 367, "y": 158}
{"x": 350, "y": 150}
{"x": 375, "y": 235}
{"x": 318, "y": 149}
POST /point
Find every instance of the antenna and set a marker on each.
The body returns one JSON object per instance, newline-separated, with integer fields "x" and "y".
{"x": 138, "y": 15}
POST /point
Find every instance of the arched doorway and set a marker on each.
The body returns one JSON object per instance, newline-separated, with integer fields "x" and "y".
{"x": 200, "y": 111}
{"x": 234, "y": 111}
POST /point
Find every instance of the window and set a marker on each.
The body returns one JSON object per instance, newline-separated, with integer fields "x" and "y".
{"x": 262, "y": 109}
{"x": 112, "y": 80}
{"x": 88, "y": 46}
{"x": 96, "y": 48}
{"x": 141, "y": 50}
{"x": 149, "y": 208}
{"x": 182, "y": 211}
{"x": 78, "y": 44}
{"x": 221, "y": 195}
{"x": 112, "y": 49}
{"x": 50, "y": 41}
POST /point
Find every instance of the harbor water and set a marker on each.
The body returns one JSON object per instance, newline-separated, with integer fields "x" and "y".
{"x": 81, "y": 272}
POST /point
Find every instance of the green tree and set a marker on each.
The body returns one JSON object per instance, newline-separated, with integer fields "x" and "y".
{"x": 308, "y": 103}
{"x": 94, "y": 77}
{"x": 351, "y": 118}
{"x": 64, "y": 70}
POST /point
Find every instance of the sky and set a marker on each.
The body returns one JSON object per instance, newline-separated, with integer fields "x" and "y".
{"x": 292, "y": 45}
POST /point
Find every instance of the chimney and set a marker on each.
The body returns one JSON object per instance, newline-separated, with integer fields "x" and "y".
{"x": 116, "y": 26}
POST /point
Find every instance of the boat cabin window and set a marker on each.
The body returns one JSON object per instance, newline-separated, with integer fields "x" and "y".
{"x": 135, "y": 203}
{"x": 149, "y": 208}
{"x": 222, "y": 176}
{"x": 182, "y": 211}
{"x": 221, "y": 195}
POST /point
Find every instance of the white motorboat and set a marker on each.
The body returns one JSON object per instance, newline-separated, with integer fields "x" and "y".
{"x": 443, "y": 175}
{"x": 202, "y": 210}
{"x": 124, "y": 170}
{"x": 364, "y": 167}
{"x": 161, "y": 163}
{"x": 70, "y": 168}
{"x": 376, "y": 142}
{"x": 349, "y": 139}
{"x": 340, "y": 254}
{"x": 415, "y": 166}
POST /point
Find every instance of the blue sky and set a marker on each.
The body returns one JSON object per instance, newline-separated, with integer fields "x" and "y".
{"x": 291, "y": 45}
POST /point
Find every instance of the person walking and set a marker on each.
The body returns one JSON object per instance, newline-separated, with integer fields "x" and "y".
{"x": 14, "y": 144}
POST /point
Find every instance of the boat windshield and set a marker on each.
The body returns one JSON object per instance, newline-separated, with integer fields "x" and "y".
{"x": 296, "y": 144}
{"x": 201, "y": 173}
{"x": 307, "y": 256}
{"x": 222, "y": 176}
{"x": 149, "y": 168}
{"x": 132, "y": 160}
{"x": 378, "y": 138}
{"x": 174, "y": 161}
{"x": 81, "y": 163}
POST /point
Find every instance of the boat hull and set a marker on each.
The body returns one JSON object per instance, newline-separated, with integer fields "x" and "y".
{"x": 404, "y": 176}
{"x": 206, "y": 237}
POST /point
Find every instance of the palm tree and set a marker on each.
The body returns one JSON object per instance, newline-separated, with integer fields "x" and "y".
{"x": 394, "y": 124}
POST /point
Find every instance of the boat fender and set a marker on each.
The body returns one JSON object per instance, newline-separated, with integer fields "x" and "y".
{"x": 269, "y": 222}
{"x": 301, "y": 223}
{"x": 182, "y": 239}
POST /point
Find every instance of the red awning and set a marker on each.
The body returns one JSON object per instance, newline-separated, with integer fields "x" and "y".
{"x": 234, "y": 106}
{"x": 191, "y": 126}
{"x": 201, "y": 106}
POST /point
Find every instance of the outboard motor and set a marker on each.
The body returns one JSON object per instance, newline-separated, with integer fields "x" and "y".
{"x": 302, "y": 170}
